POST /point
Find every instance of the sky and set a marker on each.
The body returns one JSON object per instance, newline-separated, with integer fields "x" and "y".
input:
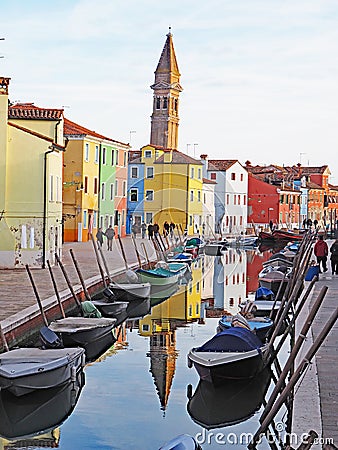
{"x": 260, "y": 77}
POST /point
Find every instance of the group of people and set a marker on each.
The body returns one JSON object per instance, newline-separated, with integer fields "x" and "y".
{"x": 109, "y": 234}
{"x": 153, "y": 229}
{"x": 321, "y": 251}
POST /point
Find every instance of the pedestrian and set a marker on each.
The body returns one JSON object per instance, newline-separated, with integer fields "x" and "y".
{"x": 271, "y": 225}
{"x": 143, "y": 230}
{"x": 309, "y": 223}
{"x": 334, "y": 257}
{"x": 321, "y": 251}
{"x": 110, "y": 233}
{"x": 171, "y": 229}
{"x": 99, "y": 238}
{"x": 156, "y": 229}
{"x": 315, "y": 223}
{"x": 304, "y": 223}
{"x": 166, "y": 227}
{"x": 134, "y": 230}
{"x": 150, "y": 231}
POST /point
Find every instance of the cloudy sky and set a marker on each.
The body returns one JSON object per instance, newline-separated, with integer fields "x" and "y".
{"x": 260, "y": 77}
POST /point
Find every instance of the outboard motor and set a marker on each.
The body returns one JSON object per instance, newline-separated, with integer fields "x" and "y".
{"x": 50, "y": 339}
{"x": 108, "y": 294}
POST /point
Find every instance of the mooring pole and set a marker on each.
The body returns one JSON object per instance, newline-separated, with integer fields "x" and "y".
{"x": 137, "y": 252}
{"x": 98, "y": 261}
{"x": 146, "y": 254}
{"x": 37, "y": 296}
{"x": 78, "y": 303}
{"x": 294, "y": 352}
{"x": 77, "y": 268}
{"x": 56, "y": 289}
{"x": 3, "y": 338}
{"x": 295, "y": 377}
{"x": 123, "y": 253}
{"x": 105, "y": 263}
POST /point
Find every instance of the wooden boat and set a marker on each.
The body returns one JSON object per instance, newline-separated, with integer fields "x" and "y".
{"x": 260, "y": 326}
{"x": 94, "y": 335}
{"x": 123, "y": 291}
{"x": 275, "y": 278}
{"x": 159, "y": 276}
{"x": 244, "y": 241}
{"x": 181, "y": 442}
{"x": 110, "y": 308}
{"x": 265, "y": 236}
{"x": 180, "y": 257}
{"x": 264, "y": 303}
{"x": 235, "y": 353}
{"x": 38, "y": 412}
{"x": 286, "y": 235}
{"x": 278, "y": 259}
{"x": 230, "y": 403}
{"x": 24, "y": 370}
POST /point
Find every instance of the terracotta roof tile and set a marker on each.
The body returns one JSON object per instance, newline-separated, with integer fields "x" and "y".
{"x": 29, "y": 111}
{"x": 221, "y": 164}
{"x": 207, "y": 181}
{"x": 178, "y": 158}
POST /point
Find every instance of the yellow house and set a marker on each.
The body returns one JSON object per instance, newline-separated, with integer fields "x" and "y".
{"x": 173, "y": 184}
{"x": 31, "y": 148}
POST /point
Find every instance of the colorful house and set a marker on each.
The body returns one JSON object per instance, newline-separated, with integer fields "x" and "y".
{"x": 95, "y": 180}
{"x": 31, "y": 148}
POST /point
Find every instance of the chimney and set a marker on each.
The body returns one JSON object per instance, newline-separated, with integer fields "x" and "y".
{"x": 4, "y": 83}
{"x": 204, "y": 161}
{"x": 168, "y": 156}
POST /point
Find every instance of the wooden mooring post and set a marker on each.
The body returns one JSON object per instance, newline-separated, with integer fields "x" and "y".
{"x": 56, "y": 289}
{"x": 3, "y": 339}
{"x": 43, "y": 315}
{"x": 105, "y": 263}
{"x": 78, "y": 271}
{"x": 69, "y": 284}
{"x": 137, "y": 252}
{"x": 98, "y": 261}
{"x": 294, "y": 379}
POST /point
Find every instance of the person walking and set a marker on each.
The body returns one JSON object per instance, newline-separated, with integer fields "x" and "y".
{"x": 150, "y": 231}
{"x": 110, "y": 233}
{"x": 99, "y": 237}
{"x": 143, "y": 230}
{"x": 334, "y": 257}
{"x": 321, "y": 251}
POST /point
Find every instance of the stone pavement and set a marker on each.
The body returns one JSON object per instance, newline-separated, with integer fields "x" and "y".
{"x": 17, "y": 298}
{"x": 316, "y": 397}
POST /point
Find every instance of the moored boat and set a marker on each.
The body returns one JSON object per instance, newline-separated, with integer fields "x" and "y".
{"x": 129, "y": 291}
{"x": 260, "y": 326}
{"x": 235, "y": 353}
{"x": 158, "y": 276}
{"x": 24, "y": 370}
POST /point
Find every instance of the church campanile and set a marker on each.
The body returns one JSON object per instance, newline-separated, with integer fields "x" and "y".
{"x": 167, "y": 88}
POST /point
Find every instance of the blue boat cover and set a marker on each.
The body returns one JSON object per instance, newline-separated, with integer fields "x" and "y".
{"x": 194, "y": 241}
{"x": 263, "y": 293}
{"x": 234, "y": 339}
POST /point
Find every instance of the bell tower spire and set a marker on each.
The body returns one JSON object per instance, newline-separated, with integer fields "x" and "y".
{"x": 167, "y": 88}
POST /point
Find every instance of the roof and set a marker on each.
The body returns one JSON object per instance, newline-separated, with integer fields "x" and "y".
{"x": 74, "y": 129}
{"x": 178, "y": 158}
{"x": 38, "y": 135}
{"x": 221, "y": 164}
{"x": 168, "y": 63}
{"x": 311, "y": 185}
{"x": 29, "y": 111}
{"x": 207, "y": 181}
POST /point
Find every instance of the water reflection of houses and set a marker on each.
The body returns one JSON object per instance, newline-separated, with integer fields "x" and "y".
{"x": 178, "y": 310}
{"x": 229, "y": 280}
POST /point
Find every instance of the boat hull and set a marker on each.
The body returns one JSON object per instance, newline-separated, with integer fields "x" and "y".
{"x": 129, "y": 291}
{"x": 155, "y": 279}
{"x": 260, "y": 326}
{"x": 217, "y": 367}
{"x": 28, "y": 369}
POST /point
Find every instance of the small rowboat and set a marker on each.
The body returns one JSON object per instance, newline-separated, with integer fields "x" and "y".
{"x": 258, "y": 325}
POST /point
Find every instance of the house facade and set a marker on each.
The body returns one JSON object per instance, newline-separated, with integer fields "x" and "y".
{"x": 31, "y": 148}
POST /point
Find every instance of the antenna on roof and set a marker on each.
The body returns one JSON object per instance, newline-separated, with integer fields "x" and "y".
{"x": 2, "y": 39}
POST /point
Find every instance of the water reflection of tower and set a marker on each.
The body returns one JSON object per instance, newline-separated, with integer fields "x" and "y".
{"x": 163, "y": 356}
{"x": 230, "y": 280}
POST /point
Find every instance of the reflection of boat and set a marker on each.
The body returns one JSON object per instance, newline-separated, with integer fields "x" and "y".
{"x": 24, "y": 370}
{"x": 230, "y": 403}
{"x": 215, "y": 248}
{"x": 94, "y": 335}
{"x": 38, "y": 411}
{"x": 244, "y": 241}
{"x": 158, "y": 276}
{"x": 138, "y": 308}
{"x": 127, "y": 291}
{"x": 181, "y": 442}
{"x": 110, "y": 308}
{"x": 235, "y": 353}
{"x": 159, "y": 295}
{"x": 261, "y": 326}
{"x": 180, "y": 257}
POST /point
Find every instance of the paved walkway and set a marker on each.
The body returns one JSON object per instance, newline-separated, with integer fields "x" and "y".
{"x": 16, "y": 293}
{"x": 316, "y": 398}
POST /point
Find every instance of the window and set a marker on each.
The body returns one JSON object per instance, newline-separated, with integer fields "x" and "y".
{"x": 134, "y": 172}
{"x": 242, "y": 177}
{"x": 117, "y": 157}
{"x": 51, "y": 198}
{"x": 95, "y": 219}
{"x": 104, "y": 155}
{"x": 96, "y": 154}
{"x": 111, "y": 191}
{"x": 124, "y": 159}
{"x": 57, "y": 189}
{"x": 96, "y": 184}
{"x": 150, "y": 172}
{"x": 198, "y": 196}
{"x": 204, "y": 198}
{"x": 124, "y": 188}
{"x": 228, "y": 199}
{"x": 231, "y": 301}
{"x": 149, "y": 217}
{"x": 149, "y": 196}
{"x": 133, "y": 195}
{"x": 244, "y": 200}
{"x": 165, "y": 102}
{"x": 192, "y": 173}
{"x": 86, "y": 185}
{"x": 238, "y": 199}
{"x": 87, "y": 152}
{"x": 213, "y": 176}
{"x": 158, "y": 102}
{"x": 84, "y": 219}
{"x": 190, "y": 221}
{"x": 191, "y": 196}
{"x": 233, "y": 176}
{"x": 199, "y": 176}
{"x": 234, "y": 199}
{"x": 103, "y": 191}
{"x": 112, "y": 157}
{"x": 147, "y": 154}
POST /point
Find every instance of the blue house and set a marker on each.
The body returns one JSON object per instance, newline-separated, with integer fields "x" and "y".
{"x": 135, "y": 198}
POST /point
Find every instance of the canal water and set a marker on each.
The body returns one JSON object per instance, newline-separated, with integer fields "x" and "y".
{"x": 141, "y": 393}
